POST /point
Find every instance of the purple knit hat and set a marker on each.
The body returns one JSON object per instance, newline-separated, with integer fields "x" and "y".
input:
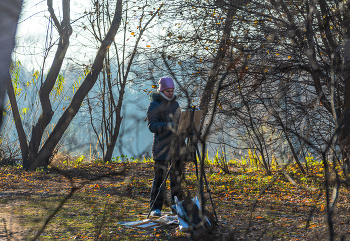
{"x": 166, "y": 83}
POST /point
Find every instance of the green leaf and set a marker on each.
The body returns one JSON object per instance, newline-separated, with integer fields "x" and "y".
{"x": 58, "y": 88}
{"x": 15, "y": 71}
{"x": 35, "y": 76}
{"x": 24, "y": 110}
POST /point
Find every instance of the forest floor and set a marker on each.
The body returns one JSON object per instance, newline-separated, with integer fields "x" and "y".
{"x": 95, "y": 197}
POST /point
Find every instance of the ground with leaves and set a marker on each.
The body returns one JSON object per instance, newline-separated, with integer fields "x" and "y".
{"x": 104, "y": 194}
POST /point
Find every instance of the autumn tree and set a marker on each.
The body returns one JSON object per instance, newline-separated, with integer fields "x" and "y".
{"x": 297, "y": 63}
{"x": 293, "y": 95}
{"x": 292, "y": 53}
{"x": 105, "y": 108}
{"x": 32, "y": 155}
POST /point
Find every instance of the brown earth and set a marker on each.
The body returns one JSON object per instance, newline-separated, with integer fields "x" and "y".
{"x": 283, "y": 212}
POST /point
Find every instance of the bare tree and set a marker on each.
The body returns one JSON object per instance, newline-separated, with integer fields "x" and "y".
{"x": 113, "y": 89}
{"x": 32, "y": 156}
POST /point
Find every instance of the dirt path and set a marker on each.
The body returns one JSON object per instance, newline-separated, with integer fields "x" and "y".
{"x": 10, "y": 228}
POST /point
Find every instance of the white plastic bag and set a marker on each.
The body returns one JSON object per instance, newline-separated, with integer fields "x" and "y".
{"x": 183, "y": 225}
{"x": 184, "y": 221}
{"x": 196, "y": 201}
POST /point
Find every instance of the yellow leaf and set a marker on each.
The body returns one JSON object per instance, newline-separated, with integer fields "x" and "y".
{"x": 132, "y": 33}
{"x": 154, "y": 86}
{"x": 148, "y": 46}
{"x": 322, "y": 207}
{"x": 289, "y": 57}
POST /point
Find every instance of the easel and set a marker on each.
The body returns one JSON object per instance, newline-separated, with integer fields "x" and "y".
{"x": 187, "y": 131}
{"x": 192, "y": 144}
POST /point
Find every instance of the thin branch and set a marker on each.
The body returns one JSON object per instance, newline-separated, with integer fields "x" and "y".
{"x": 54, "y": 18}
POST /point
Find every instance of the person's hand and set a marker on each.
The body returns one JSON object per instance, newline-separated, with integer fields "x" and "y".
{"x": 171, "y": 126}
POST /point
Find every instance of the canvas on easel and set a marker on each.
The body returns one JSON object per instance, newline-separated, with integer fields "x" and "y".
{"x": 185, "y": 120}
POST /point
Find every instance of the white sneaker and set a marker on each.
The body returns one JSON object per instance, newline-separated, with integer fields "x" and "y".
{"x": 156, "y": 213}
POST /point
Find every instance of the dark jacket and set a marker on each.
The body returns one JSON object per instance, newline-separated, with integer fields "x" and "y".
{"x": 161, "y": 112}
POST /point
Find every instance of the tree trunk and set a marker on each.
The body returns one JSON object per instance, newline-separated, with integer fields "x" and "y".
{"x": 223, "y": 47}
{"x": 113, "y": 132}
{"x": 18, "y": 123}
{"x": 9, "y": 14}
{"x": 47, "y": 113}
{"x": 111, "y": 145}
{"x": 66, "y": 118}
{"x": 215, "y": 70}
{"x": 344, "y": 139}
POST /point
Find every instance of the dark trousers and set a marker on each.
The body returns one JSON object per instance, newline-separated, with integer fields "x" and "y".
{"x": 160, "y": 170}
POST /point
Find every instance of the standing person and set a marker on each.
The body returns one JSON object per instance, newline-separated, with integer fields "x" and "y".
{"x": 163, "y": 117}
